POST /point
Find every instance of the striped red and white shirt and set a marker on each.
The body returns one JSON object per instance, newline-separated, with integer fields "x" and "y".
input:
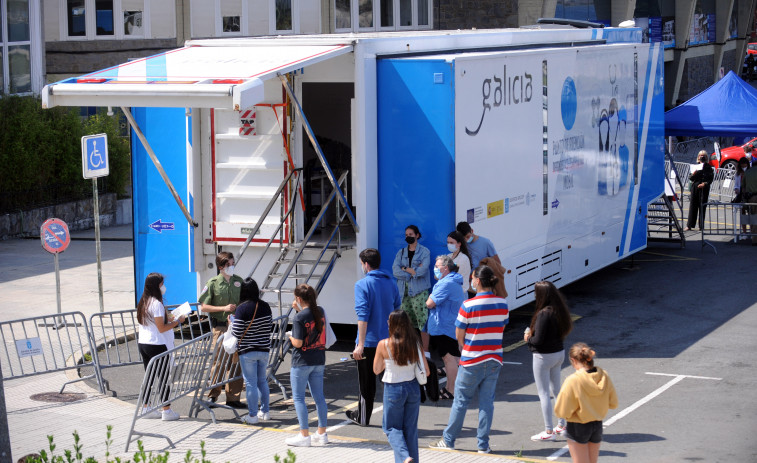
{"x": 483, "y": 318}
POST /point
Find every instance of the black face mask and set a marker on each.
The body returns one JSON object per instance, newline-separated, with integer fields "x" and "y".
{"x": 410, "y": 239}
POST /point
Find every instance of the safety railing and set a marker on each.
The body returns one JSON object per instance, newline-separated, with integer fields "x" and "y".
{"x": 169, "y": 376}
{"x": 722, "y": 185}
{"x": 225, "y": 368}
{"x": 46, "y": 344}
{"x": 737, "y": 220}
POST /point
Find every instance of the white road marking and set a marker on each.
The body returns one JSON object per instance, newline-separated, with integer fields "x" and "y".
{"x": 676, "y": 379}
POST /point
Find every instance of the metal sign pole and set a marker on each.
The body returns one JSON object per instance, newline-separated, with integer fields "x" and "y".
{"x": 57, "y": 281}
{"x": 97, "y": 245}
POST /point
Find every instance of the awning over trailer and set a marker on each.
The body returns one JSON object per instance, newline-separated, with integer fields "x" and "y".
{"x": 193, "y": 77}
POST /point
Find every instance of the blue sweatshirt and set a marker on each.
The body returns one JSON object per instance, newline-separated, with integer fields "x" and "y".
{"x": 376, "y": 296}
{"x": 448, "y": 296}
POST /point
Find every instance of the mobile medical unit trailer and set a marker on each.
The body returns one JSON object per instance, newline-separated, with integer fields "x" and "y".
{"x": 295, "y": 153}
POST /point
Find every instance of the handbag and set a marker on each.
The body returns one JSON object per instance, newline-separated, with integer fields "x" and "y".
{"x": 330, "y": 336}
{"x": 420, "y": 371}
{"x": 230, "y": 342}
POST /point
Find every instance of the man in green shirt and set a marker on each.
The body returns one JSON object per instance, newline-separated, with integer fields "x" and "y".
{"x": 219, "y": 299}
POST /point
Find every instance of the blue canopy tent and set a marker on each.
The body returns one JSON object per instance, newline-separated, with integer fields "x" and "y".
{"x": 726, "y": 108}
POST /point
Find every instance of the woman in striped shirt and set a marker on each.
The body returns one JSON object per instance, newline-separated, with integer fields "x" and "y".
{"x": 252, "y": 326}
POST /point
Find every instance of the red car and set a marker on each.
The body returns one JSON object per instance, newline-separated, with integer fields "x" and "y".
{"x": 729, "y": 157}
{"x": 751, "y": 48}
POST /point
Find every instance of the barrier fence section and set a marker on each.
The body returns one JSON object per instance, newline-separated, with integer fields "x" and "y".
{"x": 738, "y": 220}
{"x": 46, "y": 344}
{"x": 170, "y": 376}
{"x": 225, "y": 368}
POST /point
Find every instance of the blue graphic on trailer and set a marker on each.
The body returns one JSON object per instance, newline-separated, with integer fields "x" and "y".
{"x": 159, "y": 226}
{"x": 95, "y": 155}
{"x": 568, "y": 103}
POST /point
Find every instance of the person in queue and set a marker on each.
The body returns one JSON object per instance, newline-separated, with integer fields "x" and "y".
{"x": 252, "y": 326}
{"x": 443, "y": 304}
{"x": 549, "y": 326}
{"x": 376, "y": 296}
{"x": 411, "y": 269}
{"x": 479, "y": 326}
{"x": 701, "y": 179}
{"x": 478, "y": 246}
{"x": 749, "y": 195}
{"x": 738, "y": 180}
{"x": 584, "y": 400}
{"x": 397, "y": 356}
{"x": 308, "y": 364}
{"x": 458, "y": 251}
{"x": 155, "y": 337}
{"x": 219, "y": 299}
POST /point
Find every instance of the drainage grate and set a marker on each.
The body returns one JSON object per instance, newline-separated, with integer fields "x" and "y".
{"x": 58, "y": 397}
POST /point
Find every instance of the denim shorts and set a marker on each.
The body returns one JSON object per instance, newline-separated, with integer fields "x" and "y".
{"x": 584, "y": 432}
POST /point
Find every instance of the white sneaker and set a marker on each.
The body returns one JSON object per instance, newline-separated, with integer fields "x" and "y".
{"x": 263, "y": 416}
{"x": 247, "y": 419}
{"x": 543, "y": 436}
{"x": 559, "y": 430}
{"x": 169, "y": 415}
{"x": 488, "y": 450}
{"x": 153, "y": 415}
{"x": 440, "y": 444}
{"x": 298, "y": 441}
{"x": 320, "y": 438}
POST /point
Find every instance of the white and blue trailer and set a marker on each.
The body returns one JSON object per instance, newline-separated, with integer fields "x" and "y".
{"x": 547, "y": 140}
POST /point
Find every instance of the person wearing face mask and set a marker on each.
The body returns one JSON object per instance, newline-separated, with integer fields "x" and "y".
{"x": 478, "y": 246}
{"x": 219, "y": 299}
{"x": 410, "y": 268}
{"x": 701, "y": 180}
{"x": 443, "y": 305}
{"x": 155, "y": 337}
{"x": 458, "y": 251}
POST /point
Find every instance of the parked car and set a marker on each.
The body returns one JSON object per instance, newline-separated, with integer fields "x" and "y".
{"x": 729, "y": 157}
{"x": 751, "y": 49}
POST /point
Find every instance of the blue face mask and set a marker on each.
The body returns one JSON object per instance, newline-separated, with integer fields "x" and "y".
{"x": 437, "y": 273}
{"x": 469, "y": 240}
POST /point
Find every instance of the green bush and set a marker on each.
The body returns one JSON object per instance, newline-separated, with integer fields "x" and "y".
{"x": 40, "y": 154}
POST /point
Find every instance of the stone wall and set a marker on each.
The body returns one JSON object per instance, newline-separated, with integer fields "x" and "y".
{"x": 697, "y": 76}
{"x": 731, "y": 63}
{"x": 478, "y": 14}
{"x": 78, "y": 215}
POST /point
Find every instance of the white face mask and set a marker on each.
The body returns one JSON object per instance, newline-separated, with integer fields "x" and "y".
{"x": 229, "y": 270}
{"x": 365, "y": 268}
{"x": 162, "y": 290}
{"x": 451, "y": 247}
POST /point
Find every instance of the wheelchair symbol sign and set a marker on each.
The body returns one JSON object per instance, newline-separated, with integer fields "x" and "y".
{"x": 94, "y": 152}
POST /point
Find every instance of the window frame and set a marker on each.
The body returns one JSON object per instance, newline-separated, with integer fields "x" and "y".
{"x": 35, "y": 51}
{"x": 295, "y": 19}
{"x": 90, "y": 23}
{"x": 244, "y": 20}
{"x": 377, "y": 26}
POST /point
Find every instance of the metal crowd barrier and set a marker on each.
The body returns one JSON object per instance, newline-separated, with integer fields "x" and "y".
{"x": 168, "y": 377}
{"x": 721, "y": 189}
{"x": 29, "y": 350}
{"x": 738, "y": 220}
{"x": 224, "y": 373}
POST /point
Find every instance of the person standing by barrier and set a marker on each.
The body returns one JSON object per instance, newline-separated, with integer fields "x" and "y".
{"x": 738, "y": 181}
{"x": 443, "y": 304}
{"x": 749, "y": 187}
{"x": 397, "y": 356}
{"x": 156, "y": 337}
{"x": 218, "y": 299}
{"x": 252, "y": 326}
{"x": 584, "y": 400}
{"x": 376, "y": 296}
{"x": 549, "y": 326}
{"x": 479, "y": 326}
{"x": 701, "y": 180}
{"x": 308, "y": 364}
{"x": 410, "y": 268}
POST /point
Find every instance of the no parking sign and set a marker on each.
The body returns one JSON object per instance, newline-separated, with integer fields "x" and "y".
{"x": 54, "y": 236}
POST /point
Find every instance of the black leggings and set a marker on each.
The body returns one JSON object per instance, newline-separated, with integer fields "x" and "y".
{"x": 148, "y": 351}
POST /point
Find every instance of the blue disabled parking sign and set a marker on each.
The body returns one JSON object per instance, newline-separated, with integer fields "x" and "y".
{"x": 94, "y": 152}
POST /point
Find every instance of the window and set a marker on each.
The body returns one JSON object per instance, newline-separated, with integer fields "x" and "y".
{"x": 16, "y": 47}
{"x": 75, "y": 13}
{"x": 231, "y": 17}
{"x": 133, "y": 17}
{"x": 104, "y": 19}
{"x": 365, "y": 15}
{"x": 283, "y": 15}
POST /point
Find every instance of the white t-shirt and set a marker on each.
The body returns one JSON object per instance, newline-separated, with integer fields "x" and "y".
{"x": 463, "y": 262}
{"x": 149, "y": 334}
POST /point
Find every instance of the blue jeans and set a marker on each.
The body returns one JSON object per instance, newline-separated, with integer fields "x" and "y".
{"x": 253, "y": 365}
{"x": 311, "y": 375}
{"x": 402, "y": 402}
{"x": 481, "y": 378}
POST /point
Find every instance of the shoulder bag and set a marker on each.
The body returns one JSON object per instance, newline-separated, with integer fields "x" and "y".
{"x": 230, "y": 342}
{"x": 420, "y": 371}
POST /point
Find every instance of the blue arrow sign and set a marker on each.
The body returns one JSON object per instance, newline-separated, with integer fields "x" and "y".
{"x": 159, "y": 226}
{"x": 555, "y": 203}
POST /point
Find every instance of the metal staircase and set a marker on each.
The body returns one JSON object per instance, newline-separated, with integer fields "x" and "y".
{"x": 664, "y": 217}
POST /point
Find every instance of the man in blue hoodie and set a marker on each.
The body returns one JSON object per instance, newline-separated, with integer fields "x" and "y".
{"x": 376, "y": 296}
{"x": 443, "y": 306}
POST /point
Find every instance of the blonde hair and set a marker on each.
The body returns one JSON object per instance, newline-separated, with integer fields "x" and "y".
{"x": 583, "y": 354}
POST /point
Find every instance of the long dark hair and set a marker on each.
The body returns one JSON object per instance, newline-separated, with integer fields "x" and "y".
{"x": 152, "y": 290}
{"x": 486, "y": 277}
{"x": 307, "y": 294}
{"x": 249, "y": 291}
{"x": 548, "y": 297}
{"x": 402, "y": 338}
{"x": 457, "y": 236}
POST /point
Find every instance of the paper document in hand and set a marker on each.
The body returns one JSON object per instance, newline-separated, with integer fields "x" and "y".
{"x": 183, "y": 310}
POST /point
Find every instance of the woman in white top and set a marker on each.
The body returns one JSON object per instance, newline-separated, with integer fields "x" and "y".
{"x": 397, "y": 356}
{"x": 155, "y": 337}
{"x": 458, "y": 251}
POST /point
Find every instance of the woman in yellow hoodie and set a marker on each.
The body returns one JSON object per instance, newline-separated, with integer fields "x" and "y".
{"x": 584, "y": 399}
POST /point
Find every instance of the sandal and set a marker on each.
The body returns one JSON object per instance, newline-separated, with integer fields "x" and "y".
{"x": 445, "y": 394}
{"x": 441, "y": 373}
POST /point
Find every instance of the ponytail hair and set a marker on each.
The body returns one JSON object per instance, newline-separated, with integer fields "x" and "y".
{"x": 308, "y": 296}
{"x": 583, "y": 354}
{"x": 486, "y": 276}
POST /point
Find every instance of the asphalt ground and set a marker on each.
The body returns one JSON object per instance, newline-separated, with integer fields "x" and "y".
{"x": 673, "y": 327}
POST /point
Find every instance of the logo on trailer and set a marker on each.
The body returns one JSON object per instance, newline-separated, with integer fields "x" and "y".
{"x": 247, "y": 122}
{"x": 159, "y": 226}
{"x": 507, "y": 90}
